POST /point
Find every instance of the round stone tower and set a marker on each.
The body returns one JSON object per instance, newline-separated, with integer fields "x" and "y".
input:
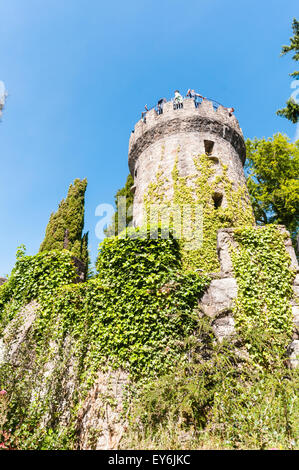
{"x": 197, "y": 149}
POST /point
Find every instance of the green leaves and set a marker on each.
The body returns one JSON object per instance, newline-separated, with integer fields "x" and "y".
{"x": 273, "y": 168}
{"x": 36, "y": 277}
{"x": 264, "y": 277}
{"x": 127, "y": 193}
{"x": 291, "y": 111}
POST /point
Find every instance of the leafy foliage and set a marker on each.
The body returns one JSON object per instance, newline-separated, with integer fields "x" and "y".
{"x": 262, "y": 269}
{"x": 222, "y": 402}
{"x": 134, "y": 315}
{"x": 128, "y": 196}
{"x": 291, "y": 111}
{"x": 35, "y": 277}
{"x": 273, "y": 168}
{"x": 64, "y": 230}
{"x": 197, "y": 192}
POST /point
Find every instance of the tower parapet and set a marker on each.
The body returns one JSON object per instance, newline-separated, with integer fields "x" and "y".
{"x": 202, "y": 118}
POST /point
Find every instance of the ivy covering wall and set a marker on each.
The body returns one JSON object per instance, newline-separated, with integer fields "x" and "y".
{"x": 264, "y": 276}
{"x": 199, "y": 191}
{"x": 140, "y": 314}
{"x": 134, "y": 315}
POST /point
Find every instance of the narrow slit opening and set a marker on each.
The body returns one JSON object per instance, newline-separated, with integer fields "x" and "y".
{"x": 217, "y": 199}
{"x": 209, "y": 145}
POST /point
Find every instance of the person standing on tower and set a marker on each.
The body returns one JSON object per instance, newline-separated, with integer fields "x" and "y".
{"x": 192, "y": 94}
{"x": 230, "y": 111}
{"x": 160, "y": 105}
{"x": 178, "y": 100}
{"x": 143, "y": 114}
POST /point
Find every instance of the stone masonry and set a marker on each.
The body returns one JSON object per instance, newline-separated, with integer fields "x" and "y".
{"x": 194, "y": 131}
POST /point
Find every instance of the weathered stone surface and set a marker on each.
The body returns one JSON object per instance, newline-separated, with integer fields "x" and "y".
{"x": 296, "y": 291}
{"x": 293, "y": 353}
{"x": 289, "y": 247}
{"x": 225, "y": 241}
{"x": 101, "y": 425}
{"x": 3, "y": 354}
{"x": 224, "y": 327}
{"x": 295, "y": 311}
{"x": 17, "y": 330}
{"x": 219, "y": 297}
{"x": 181, "y": 134}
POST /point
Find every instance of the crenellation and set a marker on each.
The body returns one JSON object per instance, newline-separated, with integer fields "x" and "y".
{"x": 204, "y": 109}
{"x": 151, "y": 118}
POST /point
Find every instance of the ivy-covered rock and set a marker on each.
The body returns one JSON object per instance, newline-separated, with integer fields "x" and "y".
{"x": 264, "y": 275}
{"x": 35, "y": 278}
{"x": 135, "y": 316}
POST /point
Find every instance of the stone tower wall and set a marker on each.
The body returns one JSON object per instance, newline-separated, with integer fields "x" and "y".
{"x": 185, "y": 129}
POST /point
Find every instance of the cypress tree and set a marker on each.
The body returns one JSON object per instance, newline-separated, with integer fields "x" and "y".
{"x": 64, "y": 230}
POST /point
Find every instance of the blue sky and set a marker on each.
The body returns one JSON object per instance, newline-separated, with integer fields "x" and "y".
{"x": 79, "y": 73}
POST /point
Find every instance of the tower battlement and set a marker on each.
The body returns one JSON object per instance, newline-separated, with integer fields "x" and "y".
{"x": 176, "y": 137}
{"x": 189, "y": 118}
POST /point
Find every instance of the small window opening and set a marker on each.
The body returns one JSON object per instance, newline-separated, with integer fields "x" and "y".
{"x": 209, "y": 145}
{"x": 217, "y": 199}
{"x": 213, "y": 159}
{"x": 135, "y": 174}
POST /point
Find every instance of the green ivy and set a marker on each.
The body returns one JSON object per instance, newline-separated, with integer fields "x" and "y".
{"x": 135, "y": 315}
{"x": 197, "y": 191}
{"x": 35, "y": 277}
{"x": 262, "y": 269}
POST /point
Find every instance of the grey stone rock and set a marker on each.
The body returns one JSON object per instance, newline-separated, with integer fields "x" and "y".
{"x": 289, "y": 247}
{"x": 224, "y": 327}
{"x": 296, "y": 291}
{"x": 16, "y": 332}
{"x": 2, "y": 280}
{"x": 295, "y": 311}
{"x": 101, "y": 424}
{"x": 3, "y": 354}
{"x": 219, "y": 296}
{"x": 225, "y": 242}
{"x": 293, "y": 353}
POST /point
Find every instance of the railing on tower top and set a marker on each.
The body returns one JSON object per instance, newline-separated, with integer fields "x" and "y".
{"x": 197, "y": 101}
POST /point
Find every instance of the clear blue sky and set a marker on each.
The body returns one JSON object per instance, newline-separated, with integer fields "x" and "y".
{"x": 80, "y": 71}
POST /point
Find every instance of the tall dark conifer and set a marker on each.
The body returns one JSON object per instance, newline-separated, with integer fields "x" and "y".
{"x": 65, "y": 227}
